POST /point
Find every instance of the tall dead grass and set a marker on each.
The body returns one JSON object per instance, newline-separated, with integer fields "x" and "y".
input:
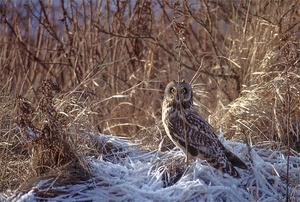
{"x": 112, "y": 61}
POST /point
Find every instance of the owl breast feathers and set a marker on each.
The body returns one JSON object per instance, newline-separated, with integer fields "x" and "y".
{"x": 179, "y": 116}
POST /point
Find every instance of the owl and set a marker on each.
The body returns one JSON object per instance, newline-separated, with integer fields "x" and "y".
{"x": 179, "y": 115}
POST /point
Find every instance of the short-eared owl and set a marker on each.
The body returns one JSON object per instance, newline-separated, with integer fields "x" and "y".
{"x": 202, "y": 142}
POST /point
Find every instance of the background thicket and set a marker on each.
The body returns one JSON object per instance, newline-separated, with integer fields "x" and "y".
{"x": 109, "y": 62}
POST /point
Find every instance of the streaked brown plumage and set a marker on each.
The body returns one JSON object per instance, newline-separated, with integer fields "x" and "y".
{"x": 201, "y": 138}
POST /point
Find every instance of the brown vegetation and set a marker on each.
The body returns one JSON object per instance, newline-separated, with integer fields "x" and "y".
{"x": 112, "y": 60}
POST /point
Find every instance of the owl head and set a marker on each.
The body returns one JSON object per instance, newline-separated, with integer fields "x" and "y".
{"x": 177, "y": 92}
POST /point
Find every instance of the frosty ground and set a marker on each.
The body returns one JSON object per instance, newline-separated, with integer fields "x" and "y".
{"x": 126, "y": 173}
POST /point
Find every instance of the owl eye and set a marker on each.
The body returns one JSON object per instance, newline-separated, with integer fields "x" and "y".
{"x": 183, "y": 91}
{"x": 173, "y": 90}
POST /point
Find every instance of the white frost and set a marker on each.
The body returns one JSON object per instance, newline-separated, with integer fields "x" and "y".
{"x": 129, "y": 174}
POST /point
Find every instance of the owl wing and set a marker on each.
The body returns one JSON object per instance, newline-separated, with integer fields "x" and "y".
{"x": 200, "y": 135}
{"x": 216, "y": 148}
{"x": 203, "y": 143}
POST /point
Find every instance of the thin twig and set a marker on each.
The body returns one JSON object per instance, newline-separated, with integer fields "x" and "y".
{"x": 180, "y": 29}
{"x": 288, "y": 110}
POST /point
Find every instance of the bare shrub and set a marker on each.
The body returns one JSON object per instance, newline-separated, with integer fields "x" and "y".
{"x": 52, "y": 148}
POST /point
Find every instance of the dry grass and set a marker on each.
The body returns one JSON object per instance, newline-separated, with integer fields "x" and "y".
{"x": 112, "y": 61}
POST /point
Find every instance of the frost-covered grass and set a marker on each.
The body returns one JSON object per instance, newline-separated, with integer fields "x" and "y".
{"x": 125, "y": 173}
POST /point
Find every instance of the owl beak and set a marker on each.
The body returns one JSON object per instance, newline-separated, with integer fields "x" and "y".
{"x": 178, "y": 98}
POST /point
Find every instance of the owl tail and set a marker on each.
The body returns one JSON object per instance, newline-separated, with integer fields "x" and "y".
{"x": 236, "y": 161}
